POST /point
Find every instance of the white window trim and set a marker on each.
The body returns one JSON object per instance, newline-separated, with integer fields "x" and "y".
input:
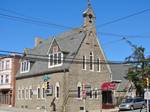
{"x": 96, "y": 90}
{"x": 79, "y": 85}
{"x": 26, "y": 94}
{"x": 57, "y": 65}
{"x": 42, "y": 93}
{"x": 92, "y": 94}
{"x": 92, "y": 62}
{"x": 57, "y": 85}
{"x": 0, "y": 66}
{"x": 8, "y": 78}
{"x": 7, "y": 63}
{"x": 1, "y": 79}
{"x": 85, "y": 64}
{"x": 18, "y": 94}
{"x": 30, "y": 88}
{"x": 28, "y": 69}
{"x": 99, "y": 65}
{"x": 39, "y": 92}
{"x": 22, "y": 95}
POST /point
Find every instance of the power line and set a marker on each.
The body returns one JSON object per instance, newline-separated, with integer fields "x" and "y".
{"x": 110, "y": 42}
{"x": 123, "y": 18}
{"x": 38, "y": 21}
{"x": 32, "y": 21}
{"x": 71, "y": 60}
{"x": 124, "y": 35}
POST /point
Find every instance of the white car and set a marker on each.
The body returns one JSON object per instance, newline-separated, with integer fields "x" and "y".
{"x": 132, "y": 103}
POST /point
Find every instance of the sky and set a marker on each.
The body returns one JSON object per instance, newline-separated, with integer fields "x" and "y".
{"x": 16, "y": 35}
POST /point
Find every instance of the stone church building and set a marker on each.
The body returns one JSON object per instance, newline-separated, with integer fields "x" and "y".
{"x": 64, "y": 73}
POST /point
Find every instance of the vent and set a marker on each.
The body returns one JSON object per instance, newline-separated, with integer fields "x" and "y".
{"x": 81, "y": 108}
{"x": 43, "y": 107}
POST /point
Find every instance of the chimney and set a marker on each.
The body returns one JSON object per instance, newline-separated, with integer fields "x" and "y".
{"x": 38, "y": 41}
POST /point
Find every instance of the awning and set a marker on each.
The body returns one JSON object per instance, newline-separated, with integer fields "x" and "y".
{"x": 108, "y": 86}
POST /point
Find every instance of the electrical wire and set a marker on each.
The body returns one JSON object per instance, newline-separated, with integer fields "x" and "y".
{"x": 124, "y": 35}
{"x": 32, "y": 21}
{"x": 123, "y": 18}
{"x": 72, "y": 60}
{"x": 38, "y": 21}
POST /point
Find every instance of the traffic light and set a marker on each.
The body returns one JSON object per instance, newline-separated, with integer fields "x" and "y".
{"x": 47, "y": 85}
{"x": 147, "y": 82}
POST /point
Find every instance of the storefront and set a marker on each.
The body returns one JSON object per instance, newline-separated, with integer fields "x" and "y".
{"x": 107, "y": 94}
{"x": 5, "y": 97}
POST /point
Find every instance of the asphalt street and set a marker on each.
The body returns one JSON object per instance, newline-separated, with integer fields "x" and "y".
{"x": 137, "y": 110}
{"x": 5, "y": 111}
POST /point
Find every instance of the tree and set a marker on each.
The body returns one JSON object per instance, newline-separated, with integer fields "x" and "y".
{"x": 140, "y": 69}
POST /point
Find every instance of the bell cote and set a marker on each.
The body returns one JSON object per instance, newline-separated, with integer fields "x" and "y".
{"x": 89, "y": 18}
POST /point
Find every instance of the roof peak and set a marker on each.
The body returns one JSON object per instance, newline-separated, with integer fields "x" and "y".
{"x": 88, "y": 3}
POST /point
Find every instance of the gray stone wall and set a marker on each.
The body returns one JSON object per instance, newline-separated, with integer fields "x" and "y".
{"x": 68, "y": 100}
{"x": 94, "y": 78}
{"x": 38, "y": 81}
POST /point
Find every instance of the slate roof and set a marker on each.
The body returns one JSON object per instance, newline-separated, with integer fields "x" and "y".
{"x": 68, "y": 42}
{"x": 119, "y": 72}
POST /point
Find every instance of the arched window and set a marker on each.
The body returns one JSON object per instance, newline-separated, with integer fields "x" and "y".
{"x": 79, "y": 89}
{"x": 96, "y": 93}
{"x": 91, "y": 61}
{"x": 84, "y": 63}
{"x": 98, "y": 65}
{"x": 57, "y": 90}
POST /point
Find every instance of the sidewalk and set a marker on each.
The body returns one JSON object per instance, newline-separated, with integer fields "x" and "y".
{"x": 14, "y": 109}
{"x": 111, "y": 110}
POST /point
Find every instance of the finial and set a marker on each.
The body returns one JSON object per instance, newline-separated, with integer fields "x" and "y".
{"x": 88, "y": 2}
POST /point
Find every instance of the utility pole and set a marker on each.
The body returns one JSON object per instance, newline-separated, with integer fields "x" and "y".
{"x": 46, "y": 84}
{"x": 147, "y": 84}
{"x": 84, "y": 95}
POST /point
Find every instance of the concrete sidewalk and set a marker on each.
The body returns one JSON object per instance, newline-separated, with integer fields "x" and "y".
{"x": 14, "y": 109}
{"x": 110, "y": 110}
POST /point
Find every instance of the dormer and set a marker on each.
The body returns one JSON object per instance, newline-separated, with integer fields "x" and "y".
{"x": 25, "y": 66}
{"x": 55, "y": 55}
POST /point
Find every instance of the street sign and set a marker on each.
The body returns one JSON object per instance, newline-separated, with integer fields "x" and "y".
{"x": 147, "y": 95}
{"x": 44, "y": 85}
{"x": 45, "y": 78}
{"x": 49, "y": 91}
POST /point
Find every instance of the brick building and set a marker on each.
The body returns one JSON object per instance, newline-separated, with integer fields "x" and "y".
{"x": 70, "y": 64}
{"x": 8, "y": 68}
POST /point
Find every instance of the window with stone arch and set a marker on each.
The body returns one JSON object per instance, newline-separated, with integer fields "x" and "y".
{"x": 57, "y": 90}
{"x": 79, "y": 90}
{"x": 91, "y": 61}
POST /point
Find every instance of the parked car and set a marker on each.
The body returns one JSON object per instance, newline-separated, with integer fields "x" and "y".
{"x": 132, "y": 103}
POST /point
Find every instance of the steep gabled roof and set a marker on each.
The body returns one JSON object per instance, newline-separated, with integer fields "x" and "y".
{"x": 119, "y": 73}
{"x": 68, "y": 42}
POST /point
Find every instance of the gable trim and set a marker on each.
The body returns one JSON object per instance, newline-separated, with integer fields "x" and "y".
{"x": 50, "y": 46}
{"x": 54, "y": 39}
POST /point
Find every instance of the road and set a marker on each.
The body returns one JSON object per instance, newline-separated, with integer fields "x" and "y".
{"x": 5, "y": 111}
{"x": 137, "y": 110}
